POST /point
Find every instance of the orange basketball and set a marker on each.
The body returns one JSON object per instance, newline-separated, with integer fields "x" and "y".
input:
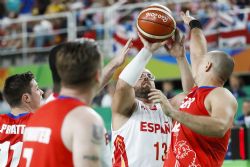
{"x": 156, "y": 24}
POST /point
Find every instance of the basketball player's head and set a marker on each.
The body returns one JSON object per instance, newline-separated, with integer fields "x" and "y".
{"x": 52, "y": 65}
{"x": 21, "y": 90}
{"x": 144, "y": 84}
{"x": 216, "y": 65}
{"x": 79, "y": 65}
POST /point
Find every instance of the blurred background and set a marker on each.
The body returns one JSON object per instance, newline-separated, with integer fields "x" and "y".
{"x": 30, "y": 28}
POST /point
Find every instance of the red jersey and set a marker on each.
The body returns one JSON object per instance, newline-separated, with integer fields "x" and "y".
{"x": 11, "y": 135}
{"x": 188, "y": 148}
{"x": 43, "y": 145}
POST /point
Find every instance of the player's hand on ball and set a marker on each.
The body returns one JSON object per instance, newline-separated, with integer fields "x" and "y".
{"x": 177, "y": 48}
{"x": 186, "y": 17}
{"x": 120, "y": 59}
{"x": 151, "y": 46}
{"x": 156, "y": 96}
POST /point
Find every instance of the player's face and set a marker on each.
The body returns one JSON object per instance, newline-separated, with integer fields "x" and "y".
{"x": 144, "y": 84}
{"x": 36, "y": 95}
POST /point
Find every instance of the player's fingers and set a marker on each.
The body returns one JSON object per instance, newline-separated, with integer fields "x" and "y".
{"x": 142, "y": 39}
{"x": 187, "y": 13}
{"x": 164, "y": 43}
{"x": 154, "y": 90}
{"x": 154, "y": 97}
{"x": 152, "y": 94}
{"x": 129, "y": 42}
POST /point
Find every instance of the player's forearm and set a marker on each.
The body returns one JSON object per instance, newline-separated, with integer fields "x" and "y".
{"x": 108, "y": 71}
{"x": 204, "y": 125}
{"x": 187, "y": 80}
{"x": 134, "y": 69}
{"x": 198, "y": 43}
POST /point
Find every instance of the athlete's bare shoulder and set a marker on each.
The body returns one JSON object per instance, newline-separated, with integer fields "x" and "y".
{"x": 222, "y": 93}
{"x": 83, "y": 114}
{"x": 221, "y": 97}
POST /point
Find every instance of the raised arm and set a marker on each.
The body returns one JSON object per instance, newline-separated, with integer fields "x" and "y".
{"x": 124, "y": 97}
{"x": 177, "y": 50}
{"x": 198, "y": 43}
{"x": 116, "y": 62}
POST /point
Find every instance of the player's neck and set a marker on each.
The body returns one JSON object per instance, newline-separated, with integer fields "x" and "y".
{"x": 210, "y": 82}
{"x": 19, "y": 110}
{"x": 85, "y": 96}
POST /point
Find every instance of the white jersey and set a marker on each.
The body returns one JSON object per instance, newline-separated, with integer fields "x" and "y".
{"x": 143, "y": 140}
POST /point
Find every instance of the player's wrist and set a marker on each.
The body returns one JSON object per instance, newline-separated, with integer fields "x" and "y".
{"x": 195, "y": 24}
{"x": 147, "y": 49}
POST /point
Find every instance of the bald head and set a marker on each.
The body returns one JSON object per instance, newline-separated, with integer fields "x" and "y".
{"x": 223, "y": 64}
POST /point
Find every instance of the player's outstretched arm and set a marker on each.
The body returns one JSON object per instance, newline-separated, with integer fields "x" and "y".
{"x": 116, "y": 62}
{"x": 198, "y": 43}
{"x": 177, "y": 50}
{"x": 220, "y": 103}
{"x": 83, "y": 133}
{"x": 124, "y": 97}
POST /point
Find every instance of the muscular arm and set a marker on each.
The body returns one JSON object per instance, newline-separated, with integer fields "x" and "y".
{"x": 198, "y": 48}
{"x": 83, "y": 134}
{"x": 108, "y": 71}
{"x": 177, "y": 50}
{"x": 187, "y": 79}
{"x": 222, "y": 106}
{"x": 124, "y": 98}
{"x": 116, "y": 62}
{"x": 177, "y": 100}
{"x": 198, "y": 43}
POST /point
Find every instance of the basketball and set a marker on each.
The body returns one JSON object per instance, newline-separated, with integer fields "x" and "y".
{"x": 156, "y": 24}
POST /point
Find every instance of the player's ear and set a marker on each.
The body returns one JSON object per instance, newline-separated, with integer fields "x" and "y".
{"x": 26, "y": 98}
{"x": 208, "y": 66}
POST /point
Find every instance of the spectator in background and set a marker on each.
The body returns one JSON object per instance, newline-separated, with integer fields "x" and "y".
{"x": 167, "y": 87}
{"x": 107, "y": 98}
{"x": 26, "y": 7}
{"x": 235, "y": 87}
{"x": 56, "y": 6}
{"x": 43, "y": 33}
{"x": 244, "y": 119}
{"x": 40, "y": 7}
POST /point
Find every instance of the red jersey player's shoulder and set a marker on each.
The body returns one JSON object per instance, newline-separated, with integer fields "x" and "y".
{"x": 3, "y": 117}
{"x": 221, "y": 93}
{"x": 82, "y": 117}
{"x": 221, "y": 97}
{"x": 85, "y": 112}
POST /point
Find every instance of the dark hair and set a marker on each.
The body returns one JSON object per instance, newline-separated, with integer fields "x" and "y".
{"x": 77, "y": 62}
{"x": 52, "y": 64}
{"x": 15, "y": 86}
